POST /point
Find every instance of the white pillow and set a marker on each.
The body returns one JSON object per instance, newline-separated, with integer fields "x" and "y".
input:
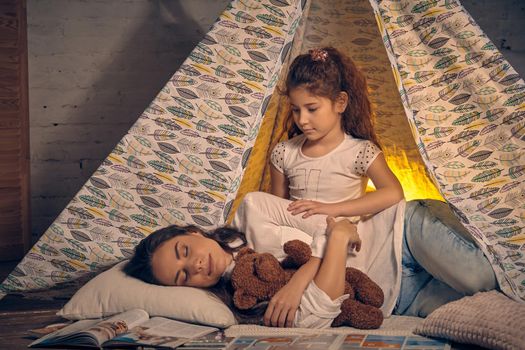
{"x": 113, "y": 291}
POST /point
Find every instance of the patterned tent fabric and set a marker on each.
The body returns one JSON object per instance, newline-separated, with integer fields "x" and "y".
{"x": 465, "y": 105}
{"x": 183, "y": 159}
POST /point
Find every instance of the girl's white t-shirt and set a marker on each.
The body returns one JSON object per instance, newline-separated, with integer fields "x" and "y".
{"x": 336, "y": 176}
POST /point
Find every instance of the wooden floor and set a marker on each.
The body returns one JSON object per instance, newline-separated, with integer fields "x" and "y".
{"x": 18, "y": 315}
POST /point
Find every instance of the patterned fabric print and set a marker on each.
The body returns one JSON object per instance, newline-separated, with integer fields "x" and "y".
{"x": 350, "y": 26}
{"x": 182, "y": 161}
{"x": 256, "y": 174}
{"x": 274, "y": 129}
{"x": 465, "y": 104}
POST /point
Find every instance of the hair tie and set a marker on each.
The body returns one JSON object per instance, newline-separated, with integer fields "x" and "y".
{"x": 318, "y": 55}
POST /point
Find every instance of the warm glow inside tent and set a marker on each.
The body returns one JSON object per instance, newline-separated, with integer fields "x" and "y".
{"x": 449, "y": 113}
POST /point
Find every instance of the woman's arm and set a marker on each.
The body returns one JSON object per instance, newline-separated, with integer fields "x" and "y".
{"x": 283, "y": 306}
{"x": 388, "y": 192}
{"x": 279, "y": 183}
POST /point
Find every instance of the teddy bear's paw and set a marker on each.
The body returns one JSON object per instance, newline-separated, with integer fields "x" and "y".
{"x": 349, "y": 290}
{"x": 370, "y": 296}
{"x": 366, "y": 290}
{"x": 358, "y": 315}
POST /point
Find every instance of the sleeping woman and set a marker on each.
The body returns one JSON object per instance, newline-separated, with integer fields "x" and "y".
{"x": 414, "y": 250}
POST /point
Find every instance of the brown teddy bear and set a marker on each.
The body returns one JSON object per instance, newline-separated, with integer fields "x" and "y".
{"x": 256, "y": 277}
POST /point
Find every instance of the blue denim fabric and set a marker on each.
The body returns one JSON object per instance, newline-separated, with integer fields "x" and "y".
{"x": 440, "y": 261}
{"x": 413, "y": 279}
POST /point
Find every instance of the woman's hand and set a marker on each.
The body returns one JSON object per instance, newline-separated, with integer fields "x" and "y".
{"x": 346, "y": 229}
{"x": 309, "y": 208}
{"x": 282, "y": 307}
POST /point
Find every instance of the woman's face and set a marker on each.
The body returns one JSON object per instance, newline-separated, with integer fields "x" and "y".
{"x": 190, "y": 260}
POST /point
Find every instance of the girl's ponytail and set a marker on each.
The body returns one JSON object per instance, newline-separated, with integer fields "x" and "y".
{"x": 358, "y": 116}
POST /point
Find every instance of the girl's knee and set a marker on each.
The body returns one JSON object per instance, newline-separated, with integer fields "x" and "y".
{"x": 249, "y": 198}
{"x": 255, "y": 200}
{"x": 479, "y": 282}
{"x": 247, "y": 207}
{"x": 259, "y": 200}
{"x": 260, "y": 204}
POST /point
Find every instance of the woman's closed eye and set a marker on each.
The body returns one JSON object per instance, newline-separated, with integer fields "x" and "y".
{"x": 181, "y": 250}
{"x": 181, "y": 276}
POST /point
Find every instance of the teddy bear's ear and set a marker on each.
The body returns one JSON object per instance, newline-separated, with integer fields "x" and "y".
{"x": 244, "y": 251}
{"x": 242, "y": 300}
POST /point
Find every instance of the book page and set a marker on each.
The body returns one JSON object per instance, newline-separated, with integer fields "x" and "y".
{"x": 50, "y": 328}
{"x": 160, "y": 331}
{"x": 62, "y": 335}
{"x": 117, "y": 325}
{"x": 94, "y": 332}
{"x": 166, "y": 326}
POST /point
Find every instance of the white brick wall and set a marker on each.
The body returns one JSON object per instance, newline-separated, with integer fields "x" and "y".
{"x": 94, "y": 65}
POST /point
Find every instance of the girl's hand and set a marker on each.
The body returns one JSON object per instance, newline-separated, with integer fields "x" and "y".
{"x": 346, "y": 229}
{"x": 282, "y": 307}
{"x": 309, "y": 208}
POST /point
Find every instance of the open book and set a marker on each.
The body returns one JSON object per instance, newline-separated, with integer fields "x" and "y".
{"x": 131, "y": 328}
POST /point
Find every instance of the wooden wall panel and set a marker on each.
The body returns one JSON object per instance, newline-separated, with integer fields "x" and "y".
{"x": 15, "y": 236}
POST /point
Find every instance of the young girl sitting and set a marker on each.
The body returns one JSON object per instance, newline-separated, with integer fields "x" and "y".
{"x": 324, "y": 169}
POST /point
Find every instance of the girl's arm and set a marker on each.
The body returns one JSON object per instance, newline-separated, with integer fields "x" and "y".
{"x": 388, "y": 192}
{"x": 279, "y": 183}
{"x": 331, "y": 274}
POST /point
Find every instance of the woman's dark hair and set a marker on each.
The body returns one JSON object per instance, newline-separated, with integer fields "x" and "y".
{"x": 327, "y": 72}
{"x": 139, "y": 266}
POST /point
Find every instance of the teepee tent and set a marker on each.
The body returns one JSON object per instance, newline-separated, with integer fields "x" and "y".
{"x": 446, "y": 101}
